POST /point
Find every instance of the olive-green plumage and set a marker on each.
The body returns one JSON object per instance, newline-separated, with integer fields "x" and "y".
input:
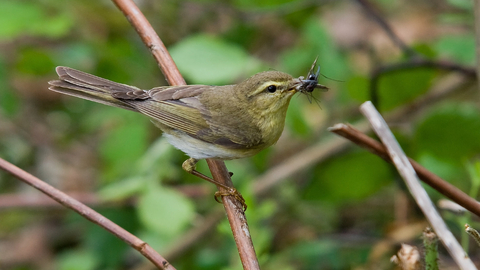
{"x": 224, "y": 122}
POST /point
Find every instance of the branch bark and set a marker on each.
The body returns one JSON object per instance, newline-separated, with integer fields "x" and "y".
{"x": 425, "y": 175}
{"x": 235, "y": 214}
{"x": 89, "y": 214}
{"x": 407, "y": 172}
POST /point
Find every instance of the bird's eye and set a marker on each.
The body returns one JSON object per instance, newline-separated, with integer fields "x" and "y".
{"x": 272, "y": 88}
{"x": 311, "y": 77}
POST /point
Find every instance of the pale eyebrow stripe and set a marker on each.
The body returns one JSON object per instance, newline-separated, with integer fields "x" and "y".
{"x": 264, "y": 85}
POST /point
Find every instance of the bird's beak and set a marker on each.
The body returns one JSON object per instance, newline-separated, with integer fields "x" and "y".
{"x": 301, "y": 85}
{"x": 296, "y": 85}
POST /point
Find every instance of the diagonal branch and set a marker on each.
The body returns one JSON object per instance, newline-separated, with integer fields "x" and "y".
{"x": 386, "y": 27}
{"x": 235, "y": 214}
{"x": 89, "y": 214}
{"x": 425, "y": 175}
{"x": 401, "y": 162}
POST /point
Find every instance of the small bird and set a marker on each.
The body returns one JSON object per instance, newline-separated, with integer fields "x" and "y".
{"x": 220, "y": 122}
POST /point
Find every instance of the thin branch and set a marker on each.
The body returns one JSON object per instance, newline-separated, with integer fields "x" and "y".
{"x": 425, "y": 175}
{"x": 386, "y": 27}
{"x": 416, "y": 60}
{"x": 236, "y": 215}
{"x": 89, "y": 214}
{"x": 9, "y": 201}
{"x": 407, "y": 172}
{"x": 331, "y": 145}
{"x": 151, "y": 40}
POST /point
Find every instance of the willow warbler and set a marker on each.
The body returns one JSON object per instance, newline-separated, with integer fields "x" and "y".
{"x": 221, "y": 122}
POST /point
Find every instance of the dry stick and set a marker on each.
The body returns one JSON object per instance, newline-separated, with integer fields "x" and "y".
{"x": 329, "y": 145}
{"x": 407, "y": 172}
{"x": 151, "y": 40}
{"x": 9, "y": 201}
{"x": 236, "y": 216}
{"x": 425, "y": 175}
{"x": 89, "y": 214}
{"x": 237, "y": 219}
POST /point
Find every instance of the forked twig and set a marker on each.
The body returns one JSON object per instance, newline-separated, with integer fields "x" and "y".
{"x": 407, "y": 172}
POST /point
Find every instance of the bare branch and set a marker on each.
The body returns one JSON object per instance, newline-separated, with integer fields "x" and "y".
{"x": 151, "y": 40}
{"x": 89, "y": 214}
{"x": 386, "y": 27}
{"x": 407, "y": 172}
{"x": 425, "y": 175}
{"x": 236, "y": 215}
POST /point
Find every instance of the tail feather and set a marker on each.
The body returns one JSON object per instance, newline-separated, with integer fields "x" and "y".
{"x": 83, "y": 85}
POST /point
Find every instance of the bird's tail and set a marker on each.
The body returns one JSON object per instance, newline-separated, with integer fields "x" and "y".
{"x": 83, "y": 85}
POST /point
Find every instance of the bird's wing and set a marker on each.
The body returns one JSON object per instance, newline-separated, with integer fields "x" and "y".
{"x": 179, "y": 108}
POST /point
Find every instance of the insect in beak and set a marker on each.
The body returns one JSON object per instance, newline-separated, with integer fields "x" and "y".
{"x": 311, "y": 83}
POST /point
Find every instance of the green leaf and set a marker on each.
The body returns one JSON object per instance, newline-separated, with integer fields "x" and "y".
{"x": 349, "y": 177}
{"x": 459, "y": 48}
{"x": 205, "y": 59}
{"x": 35, "y": 61}
{"x": 77, "y": 260}
{"x": 296, "y": 120}
{"x": 401, "y": 87}
{"x": 165, "y": 211}
{"x": 122, "y": 189}
{"x": 124, "y": 144}
{"x": 463, "y": 4}
{"x": 316, "y": 41}
{"x": 255, "y": 4}
{"x": 19, "y": 18}
{"x": 450, "y": 132}
{"x": 358, "y": 88}
{"x": 9, "y": 100}
{"x": 440, "y": 167}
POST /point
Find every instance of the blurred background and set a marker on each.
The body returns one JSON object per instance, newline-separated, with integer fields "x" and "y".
{"x": 338, "y": 209}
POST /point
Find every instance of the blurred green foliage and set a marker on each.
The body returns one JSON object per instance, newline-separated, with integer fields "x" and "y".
{"x": 315, "y": 220}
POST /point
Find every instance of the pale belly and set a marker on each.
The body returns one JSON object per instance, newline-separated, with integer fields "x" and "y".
{"x": 198, "y": 149}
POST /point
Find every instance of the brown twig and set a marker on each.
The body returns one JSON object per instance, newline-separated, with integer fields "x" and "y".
{"x": 151, "y": 40}
{"x": 330, "y": 145}
{"x": 9, "y": 201}
{"x": 416, "y": 60}
{"x": 89, "y": 214}
{"x": 404, "y": 167}
{"x": 235, "y": 215}
{"x": 425, "y": 175}
{"x": 386, "y": 27}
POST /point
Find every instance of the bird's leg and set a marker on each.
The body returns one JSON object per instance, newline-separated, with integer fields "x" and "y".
{"x": 189, "y": 166}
